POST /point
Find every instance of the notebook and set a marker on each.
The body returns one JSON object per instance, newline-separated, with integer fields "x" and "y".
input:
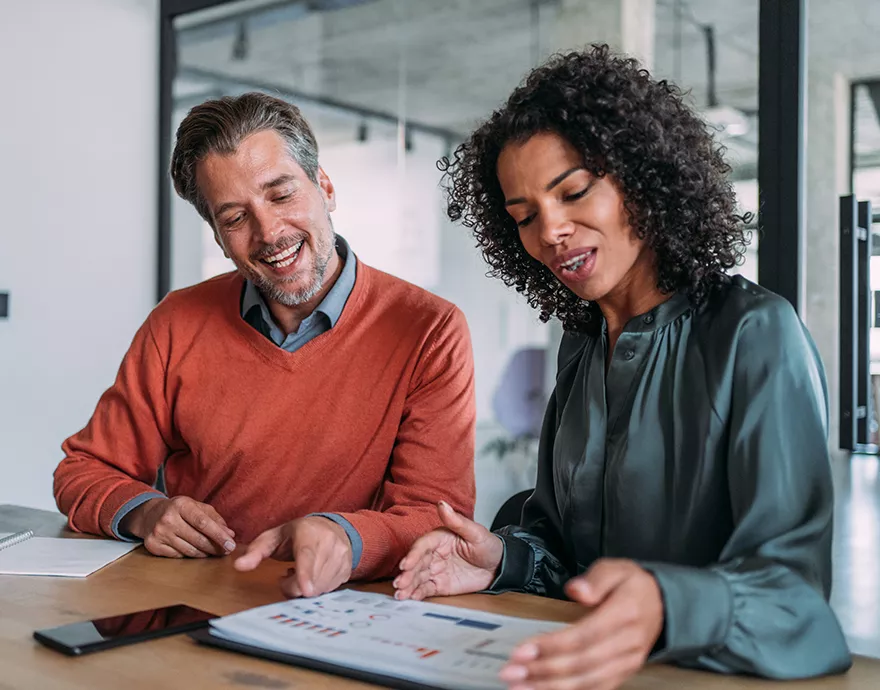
{"x": 24, "y": 554}
{"x": 375, "y": 638}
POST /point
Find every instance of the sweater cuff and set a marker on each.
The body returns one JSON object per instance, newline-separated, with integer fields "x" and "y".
{"x": 357, "y": 544}
{"x": 126, "y": 509}
{"x": 517, "y": 565}
{"x": 697, "y": 608}
{"x": 115, "y": 501}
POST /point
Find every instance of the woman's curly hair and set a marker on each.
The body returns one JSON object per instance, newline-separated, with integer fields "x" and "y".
{"x": 669, "y": 169}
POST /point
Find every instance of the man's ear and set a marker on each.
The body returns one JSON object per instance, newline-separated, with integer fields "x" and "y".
{"x": 327, "y": 189}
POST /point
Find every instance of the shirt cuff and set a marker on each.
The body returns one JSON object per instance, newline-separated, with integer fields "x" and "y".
{"x": 357, "y": 544}
{"x": 126, "y": 509}
{"x": 517, "y": 565}
{"x": 697, "y": 609}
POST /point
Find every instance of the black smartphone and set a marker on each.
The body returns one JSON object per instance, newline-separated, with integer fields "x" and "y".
{"x": 114, "y": 631}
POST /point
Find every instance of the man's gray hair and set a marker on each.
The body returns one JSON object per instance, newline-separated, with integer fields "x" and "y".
{"x": 219, "y": 126}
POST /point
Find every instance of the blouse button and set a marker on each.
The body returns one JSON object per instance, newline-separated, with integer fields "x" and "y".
{"x": 629, "y": 354}
{"x": 649, "y": 318}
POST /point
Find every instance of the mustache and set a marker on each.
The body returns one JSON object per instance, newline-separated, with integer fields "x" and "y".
{"x": 278, "y": 246}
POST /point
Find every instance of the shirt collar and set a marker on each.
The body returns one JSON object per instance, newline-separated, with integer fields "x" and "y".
{"x": 332, "y": 304}
{"x": 663, "y": 314}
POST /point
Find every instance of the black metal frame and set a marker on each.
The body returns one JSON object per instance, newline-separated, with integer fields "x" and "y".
{"x": 856, "y": 400}
{"x": 864, "y": 397}
{"x": 781, "y": 147}
{"x": 849, "y": 299}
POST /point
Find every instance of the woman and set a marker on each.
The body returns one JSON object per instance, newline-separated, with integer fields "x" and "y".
{"x": 684, "y": 492}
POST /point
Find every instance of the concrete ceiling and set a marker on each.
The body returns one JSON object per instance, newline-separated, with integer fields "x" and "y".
{"x": 457, "y": 59}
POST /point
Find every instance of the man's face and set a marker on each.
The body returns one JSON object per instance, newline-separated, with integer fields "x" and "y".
{"x": 270, "y": 218}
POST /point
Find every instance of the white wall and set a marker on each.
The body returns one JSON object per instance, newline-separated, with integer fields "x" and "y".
{"x": 77, "y": 241}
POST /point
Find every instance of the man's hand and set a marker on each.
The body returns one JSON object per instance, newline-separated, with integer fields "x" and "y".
{"x": 460, "y": 557}
{"x": 607, "y": 646}
{"x": 179, "y": 527}
{"x": 320, "y": 548}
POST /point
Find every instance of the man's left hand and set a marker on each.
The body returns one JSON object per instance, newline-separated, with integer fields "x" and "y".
{"x": 607, "y": 646}
{"x": 320, "y": 548}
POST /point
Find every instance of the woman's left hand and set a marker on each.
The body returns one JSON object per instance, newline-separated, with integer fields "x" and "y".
{"x": 605, "y": 647}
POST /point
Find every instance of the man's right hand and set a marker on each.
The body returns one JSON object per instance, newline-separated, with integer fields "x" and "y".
{"x": 461, "y": 557}
{"x": 179, "y": 527}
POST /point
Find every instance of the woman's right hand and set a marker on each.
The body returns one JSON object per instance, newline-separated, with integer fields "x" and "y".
{"x": 460, "y": 557}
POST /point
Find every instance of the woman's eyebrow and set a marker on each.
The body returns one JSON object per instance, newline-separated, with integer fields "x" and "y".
{"x": 550, "y": 185}
{"x": 559, "y": 178}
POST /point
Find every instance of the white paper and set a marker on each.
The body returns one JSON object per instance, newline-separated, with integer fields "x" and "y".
{"x": 60, "y": 557}
{"x": 444, "y": 646}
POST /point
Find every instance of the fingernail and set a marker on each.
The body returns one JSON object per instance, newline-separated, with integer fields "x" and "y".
{"x": 395, "y": 582}
{"x": 443, "y": 504}
{"x": 510, "y": 673}
{"x": 527, "y": 652}
{"x": 229, "y": 546}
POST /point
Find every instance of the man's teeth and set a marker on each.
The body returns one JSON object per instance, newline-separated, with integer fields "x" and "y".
{"x": 285, "y": 258}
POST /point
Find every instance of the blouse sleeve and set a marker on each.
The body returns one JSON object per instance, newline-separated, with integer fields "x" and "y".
{"x": 763, "y": 607}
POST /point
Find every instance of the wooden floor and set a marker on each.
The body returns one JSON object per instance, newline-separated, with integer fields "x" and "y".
{"x": 856, "y": 592}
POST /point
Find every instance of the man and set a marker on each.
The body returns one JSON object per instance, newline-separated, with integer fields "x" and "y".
{"x": 307, "y": 403}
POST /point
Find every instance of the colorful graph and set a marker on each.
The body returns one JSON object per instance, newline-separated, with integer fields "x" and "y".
{"x": 355, "y": 614}
{"x": 317, "y": 628}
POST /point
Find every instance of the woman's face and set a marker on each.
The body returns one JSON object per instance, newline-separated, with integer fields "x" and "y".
{"x": 569, "y": 220}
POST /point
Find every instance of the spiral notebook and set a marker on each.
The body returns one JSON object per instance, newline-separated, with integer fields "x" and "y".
{"x": 22, "y": 553}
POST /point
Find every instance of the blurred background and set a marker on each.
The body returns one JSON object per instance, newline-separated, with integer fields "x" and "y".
{"x": 391, "y": 86}
{"x": 92, "y": 235}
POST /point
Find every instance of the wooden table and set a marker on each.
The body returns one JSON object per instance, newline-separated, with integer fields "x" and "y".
{"x": 140, "y": 581}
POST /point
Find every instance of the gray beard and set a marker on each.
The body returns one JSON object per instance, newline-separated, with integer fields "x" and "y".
{"x": 290, "y": 299}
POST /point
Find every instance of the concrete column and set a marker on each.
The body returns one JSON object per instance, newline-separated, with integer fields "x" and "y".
{"x": 827, "y": 179}
{"x": 625, "y": 25}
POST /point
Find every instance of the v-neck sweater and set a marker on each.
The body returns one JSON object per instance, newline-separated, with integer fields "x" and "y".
{"x": 373, "y": 420}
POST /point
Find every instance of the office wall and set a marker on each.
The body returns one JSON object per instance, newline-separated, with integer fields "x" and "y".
{"x": 77, "y": 241}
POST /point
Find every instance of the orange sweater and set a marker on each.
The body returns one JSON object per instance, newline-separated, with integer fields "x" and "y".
{"x": 373, "y": 419}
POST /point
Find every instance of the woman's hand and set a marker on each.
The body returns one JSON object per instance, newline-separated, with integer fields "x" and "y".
{"x": 458, "y": 558}
{"x": 607, "y": 646}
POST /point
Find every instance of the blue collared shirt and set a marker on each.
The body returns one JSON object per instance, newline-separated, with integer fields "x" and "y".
{"x": 256, "y": 313}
